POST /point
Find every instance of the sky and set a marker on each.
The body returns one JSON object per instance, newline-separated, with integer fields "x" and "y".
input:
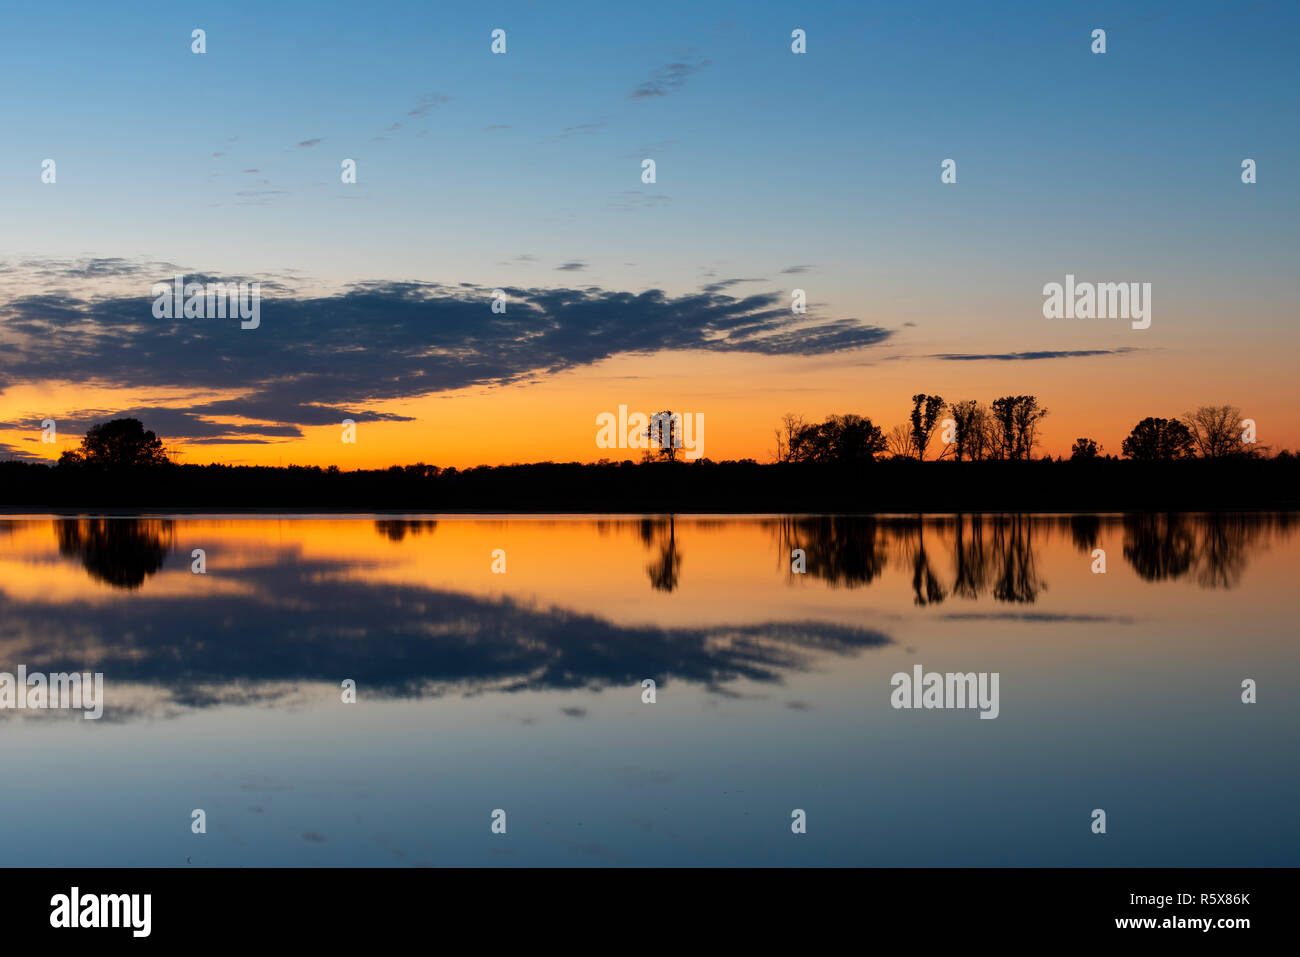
{"x": 522, "y": 171}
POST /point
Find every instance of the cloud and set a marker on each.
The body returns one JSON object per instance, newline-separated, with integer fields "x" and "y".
{"x": 310, "y": 143}
{"x": 427, "y": 103}
{"x": 21, "y": 455}
{"x": 636, "y": 199}
{"x": 1038, "y": 617}
{"x": 203, "y": 649}
{"x": 796, "y": 269}
{"x": 168, "y": 423}
{"x": 668, "y": 79}
{"x": 724, "y": 283}
{"x": 319, "y": 358}
{"x": 582, "y": 129}
{"x": 651, "y": 149}
{"x": 1019, "y": 356}
{"x": 97, "y": 268}
{"x": 571, "y": 267}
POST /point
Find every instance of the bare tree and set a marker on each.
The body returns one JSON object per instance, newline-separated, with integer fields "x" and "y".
{"x": 1216, "y": 430}
{"x": 787, "y": 436}
{"x": 898, "y": 442}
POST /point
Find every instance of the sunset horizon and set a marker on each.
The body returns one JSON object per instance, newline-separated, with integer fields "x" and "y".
{"x": 539, "y": 415}
{"x": 571, "y": 449}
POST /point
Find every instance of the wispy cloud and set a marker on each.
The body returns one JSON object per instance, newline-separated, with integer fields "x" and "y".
{"x": 671, "y": 78}
{"x": 1023, "y": 356}
{"x": 21, "y": 455}
{"x": 652, "y": 149}
{"x": 307, "y": 144}
{"x": 727, "y": 283}
{"x": 635, "y": 199}
{"x": 582, "y": 129}
{"x": 427, "y": 103}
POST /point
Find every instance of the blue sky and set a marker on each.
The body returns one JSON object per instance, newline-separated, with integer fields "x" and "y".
{"x": 765, "y": 159}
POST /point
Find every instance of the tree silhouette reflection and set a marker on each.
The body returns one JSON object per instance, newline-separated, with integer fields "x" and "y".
{"x": 121, "y": 552}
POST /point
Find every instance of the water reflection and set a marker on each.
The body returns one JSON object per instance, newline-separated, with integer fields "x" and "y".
{"x": 997, "y": 555}
{"x": 118, "y": 552}
{"x": 1086, "y": 531}
{"x": 276, "y": 615}
{"x": 661, "y": 535}
{"x": 842, "y": 550}
{"x": 396, "y": 529}
{"x": 1212, "y": 550}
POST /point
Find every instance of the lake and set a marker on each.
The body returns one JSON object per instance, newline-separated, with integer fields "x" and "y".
{"x": 499, "y": 664}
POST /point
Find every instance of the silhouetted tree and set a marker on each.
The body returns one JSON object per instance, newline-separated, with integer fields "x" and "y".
{"x": 786, "y": 435}
{"x": 665, "y": 435}
{"x": 926, "y": 410}
{"x": 971, "y": 435}
{"x": 898, "y": 443}
{"x": 1084, "y": 450}
{"x": 849, "y": 439}
{"x": 1015, "y": 426}
{"x": 1216, "y": 430}
{"x": 1155, "y": 439}
{"x": 121, "y": 443}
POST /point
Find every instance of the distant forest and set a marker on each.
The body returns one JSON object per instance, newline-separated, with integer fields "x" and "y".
{"x": 842, "y": 465}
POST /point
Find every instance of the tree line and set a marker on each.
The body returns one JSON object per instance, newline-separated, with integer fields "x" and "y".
{"x": 1006, "y": 429}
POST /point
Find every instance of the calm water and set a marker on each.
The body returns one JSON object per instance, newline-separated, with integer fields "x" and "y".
{"x": 522, "y": 691}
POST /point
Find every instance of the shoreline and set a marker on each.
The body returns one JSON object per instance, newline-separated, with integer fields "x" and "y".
{"x": 899, "y": 487}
